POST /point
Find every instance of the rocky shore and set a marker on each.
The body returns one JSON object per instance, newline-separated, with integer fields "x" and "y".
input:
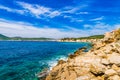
{"x": 102, "y": 62}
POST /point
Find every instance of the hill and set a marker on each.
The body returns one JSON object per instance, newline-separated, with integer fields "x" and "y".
{"x": 92, "y": 37}
{"x": 3, "y": 37}
{"x": 89, "y": 37}
{"x": 31, "y": 39}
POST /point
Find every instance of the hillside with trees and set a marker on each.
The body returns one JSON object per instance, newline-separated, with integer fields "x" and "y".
{"x": 3, "y": 37}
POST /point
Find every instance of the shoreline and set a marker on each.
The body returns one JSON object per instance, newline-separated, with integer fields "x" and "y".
{"x": 100, "y": 63}
{"x": 42, "y": 54}
{"x": 31, "y": 40}
{"x": 42, "y": 75}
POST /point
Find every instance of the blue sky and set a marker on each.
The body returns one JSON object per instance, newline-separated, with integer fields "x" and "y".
{"x": 58, "y": 18}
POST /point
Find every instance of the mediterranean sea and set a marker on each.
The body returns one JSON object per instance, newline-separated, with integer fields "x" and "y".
{"x": 21, "y": 60}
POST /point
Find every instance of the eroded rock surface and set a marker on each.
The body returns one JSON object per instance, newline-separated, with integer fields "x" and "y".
{"x": 102, "y": 62}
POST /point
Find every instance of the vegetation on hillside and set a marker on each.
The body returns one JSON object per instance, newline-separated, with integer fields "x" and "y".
{"x": 20, "y": 38}
{"x": 2, "y": 37}
{"x": 89, "y": 37}
{"x": 93, "y": 37}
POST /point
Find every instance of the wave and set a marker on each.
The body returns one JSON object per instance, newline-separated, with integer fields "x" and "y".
{"x": 53, "y": 62}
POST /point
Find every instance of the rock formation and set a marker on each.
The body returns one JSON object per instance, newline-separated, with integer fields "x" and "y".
{"x": 102, "y": 62}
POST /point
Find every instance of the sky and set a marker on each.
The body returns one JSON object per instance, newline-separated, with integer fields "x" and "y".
{"x": 58, "y": 18}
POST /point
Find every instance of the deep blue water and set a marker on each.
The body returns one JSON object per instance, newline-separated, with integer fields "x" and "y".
{"x": 22, "y": 60}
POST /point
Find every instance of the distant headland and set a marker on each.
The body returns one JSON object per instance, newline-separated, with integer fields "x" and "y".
{"x": 6, "y": 38}
{"x": 79, "y": 39}
{"x": 92, "y": 39}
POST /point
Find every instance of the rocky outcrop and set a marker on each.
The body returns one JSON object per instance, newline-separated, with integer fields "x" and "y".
{"x": 102, "y": 62}
{"x": 42, "y": 75}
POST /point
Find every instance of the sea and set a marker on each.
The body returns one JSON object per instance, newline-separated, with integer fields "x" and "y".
{"x": 22, "y": 60}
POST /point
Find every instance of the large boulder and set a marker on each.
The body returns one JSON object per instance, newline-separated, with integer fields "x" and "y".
{"x": 114, "y": 58}
{"x": 110, "y": 72}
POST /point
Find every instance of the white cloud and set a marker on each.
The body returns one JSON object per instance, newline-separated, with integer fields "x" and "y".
{"x": 12, "y": 29}
{"x": 72, "y": 19}
{"x": 5, "y": 8}
{"x": 87, "y": 26}
{"x": 33, "y": 9}
{"x": 76, "y": 20}
{"x": 65, "y": 16}
{"x": 38, "y": 11}
{"x": 54, "y": 13}
{"x": 74, "y": 9}
{"x": 97, "y": 19}
{"x": 100, "y": 28}
{"x": 12, "y": 10}
{"x": 82, "y": 13}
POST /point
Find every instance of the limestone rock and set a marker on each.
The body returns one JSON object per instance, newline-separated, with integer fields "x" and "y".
{"x": 61, "y": 62}
{"x": 115, "y": 77}
{"x": 114, "y": 58}
{"x": 102, "y": 62}
{"x": 110, "y": 72}
{"x": 105, "y": 61}
{"x": 85, "y": 77}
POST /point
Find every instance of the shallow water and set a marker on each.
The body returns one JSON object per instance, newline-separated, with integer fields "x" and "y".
{"x": 22, "y": 60}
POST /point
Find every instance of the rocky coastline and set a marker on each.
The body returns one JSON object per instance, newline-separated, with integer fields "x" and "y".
{"x": 102, "y": 62}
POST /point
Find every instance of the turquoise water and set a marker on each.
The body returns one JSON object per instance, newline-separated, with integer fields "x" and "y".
{"x": 22, "y": 60}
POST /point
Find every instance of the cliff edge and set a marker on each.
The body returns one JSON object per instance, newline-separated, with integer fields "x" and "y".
{"x": 102, "y": 62}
